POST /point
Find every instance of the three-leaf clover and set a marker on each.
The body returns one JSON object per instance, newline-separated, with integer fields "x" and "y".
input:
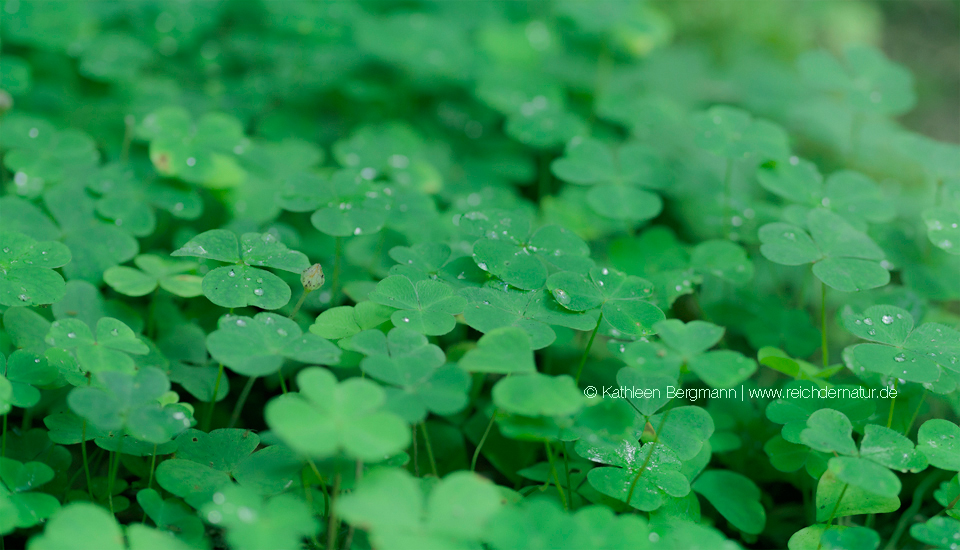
{"x": 257, "y": 346}
{"x": 244, "y": 284}
{"x": 21, "y": 506}
{"x": 735, "y": 496}
{"x": 864, "y": 77}
{"x": 81, "y": 525}
{"x": 155, "y": 271}
{"x": 252, "y": 522}
{"x": 345, "y": 203}
{"x": 912, "y": 354}
{"x": 201, "y": 152}
{"x": 503, "y": 350}
{"x": 327, "y": 418}
{"x": 108, "y": 349}
{"x": 415, "y": 370}
{"x": 687, "y": 344}
{"x": 622, "y": 298}
{"x": 734, "y": 134}
{"x": 843, "y": 258}
{"x": 659, "y": 465}
{"x": 425, "y": 306}
{"x": 619, "y": 178}
{"x": 26, "y": 270}
{"x": 390, "y": 504}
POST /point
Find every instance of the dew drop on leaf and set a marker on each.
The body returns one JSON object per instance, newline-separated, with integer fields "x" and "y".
{"x": 561, "y": 296}
{"x": 886, "y": 319}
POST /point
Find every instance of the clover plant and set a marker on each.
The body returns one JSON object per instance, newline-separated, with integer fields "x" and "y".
{"x": 405, "y": 275}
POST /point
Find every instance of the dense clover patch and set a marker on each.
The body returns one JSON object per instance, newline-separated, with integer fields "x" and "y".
{"x": 398, "y": 275}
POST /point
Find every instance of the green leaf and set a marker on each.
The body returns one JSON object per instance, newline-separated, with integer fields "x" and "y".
{"x": 257, "y": 346}
{"x": 661, "y": 477}
{"x": 829, "y": 431}
{"x": 891, "y": 449}
{"x": 27, "y": 507}
{"x": 26, "y": 270}
{"x": 836, "y": 499}
{"x": 171, "y": 515}
{"x": 734, "y": 134}
{"x": 864, "y": 78}
{"x": 943, "y": 229}
{"x": 427, "y": 306}
{"x": 504, "y": 350}
{"x": 252, "y": 522}
{"x": 327, "y": 418}
{"x": 940, "y": 532}
{"x": 939, "y": 441}
{"x": 735, "y": 496}
{"x": 866, "y": 475}
{"x": 723, "y": 259}
{"x": 537, "y": 394}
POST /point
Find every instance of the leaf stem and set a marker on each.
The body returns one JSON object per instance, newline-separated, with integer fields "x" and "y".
{"x": 3, "y": 445}
{"x": 426, "y": 440}
{"x": 283, "y": 384}
{"x": 208, "y": 420}
{"x": 416, "y": 458}
{"x": 86, "y": 461}
{"x": 586, "y": 352}
{"x": 476, "y": 452}
{"x": 646, "y": 461}
{"x": 335, "y": 279}
{"x": 833, "y": 513}
{"x": 824, "y": 342}
{"x": 358, "y": 475}
{"x": 916, "y": 413}
{"x": 556, "y": 477}
{"x": 332, "y": 514}
{"x": 303, "y": 298}
{"x": 915, "y": 506}
{"x": 114, "y": 468}
{"x": 893, "y": 402}
{"x": 241, "y": 400}
{"x": 153, "y": 465}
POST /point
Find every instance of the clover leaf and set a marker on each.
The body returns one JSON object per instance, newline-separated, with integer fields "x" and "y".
{"x": 852, "y": 195}
{"x": 154, "y": 271}
{"x": 687, "y": 344}
{"x": 499, "y": 305}
{"x": 82, "y": 525}
{"x": 914, "y": 354}
{"x": 252, "y": 522}
{"x": 327, "y": 418}
{"x": 735, "y": 496}
{"x": 538, "y": 394}
{"x": 22, "y": 372}
{"x": 426, "y": 306}
{"x": 345, "y": 321}
{"x": 519, "y": 257}
{"x": 95, "y": 244}
{"x": 943, "y": 228}
{"x": 939, "y": 440}
{"x": 503, "y": 350}
{"x": 843, "y": 258}
{"x": 661, "y": 477}
{"x": 40, "y": 156}
{"x": 798, "y": 403}
{"x": 619, "y": 178}
{"x": 622, "y": 298}
{"x": 415, "y": 370}
{"x": 257, "y": 346}
{"x": 390, "y": 504}
{"x": 171, "y": 515}
{"x": 106, "y": 350}
{"x": 345, "y": 203}
{"x": 131, "y": 402}
{"x": 26, "y": 270}
{"x": 26, "y": 507}
{"x": 734, "y": 134}
{"x": 838, "y": 498}
{"x": 866, "y": 80}
{"x": 242, "y": 284}
{"x": 941, "y": 533}
{"x": 659, "y": 257}
{"x": 202, "y": 152}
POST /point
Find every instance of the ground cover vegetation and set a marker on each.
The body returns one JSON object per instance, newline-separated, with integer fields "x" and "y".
{"x": 295, "y": 274}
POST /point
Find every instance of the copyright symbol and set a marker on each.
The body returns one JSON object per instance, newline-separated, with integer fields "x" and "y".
{"x": 590, "y": 391}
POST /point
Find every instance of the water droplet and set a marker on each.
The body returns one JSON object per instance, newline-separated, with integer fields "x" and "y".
{"x": 561, "y": 296}
{"x": 281, "y": 332}
{"x": 6, "y": 250}
{"x": 886, "y": 319}
{"x": 23, "y": 298}
{"x": 868, "y": 321}
{"x": 872, "y": 332}
{"x": 241, "y": 323}
{"x": 232, "y": 273}
{"x": 357, "y": 231}
{"x": 789, "y": 235}
{"x": 191, "y": 161}
{"x": 406, "y": 319}
{"x": 258, "y": 292}
{"x": 115, "y": 332}
{"x": 900, "y": 358}
{"x": 71, "y": 335}
{"x": 34, "y": 133}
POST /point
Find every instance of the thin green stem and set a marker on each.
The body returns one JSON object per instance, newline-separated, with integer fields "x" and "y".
{"x": 114, "y": 468}
{"x": 303, "y": 298}
{"x": 283, "y": 384}
{"x": 727, "y": 210}
{"x": 834, "y": 512}
{"x": 556, "y": 477}
{"x": 566, "y": 470}
{"x": 241, "y": 401}
{"x": 358, "y": 475}
{"x": 893, "y": 403}
{"x": 86, "y": 461}
{"x": 3, "y": 445}
{"x": 824, "y": 342}
{"x": 153, "y": 465}
{"x": 915, "y": 506}
{"x": 646, "y": 461}
{"x": 476, "y": 452}
{"x": 426, "y": 441}
{"x": 916, "y": 413}
{"x": 332, "y": 514}
{"x": 416, "y": 458}
{"x": 208, "y": 419}
{"x": 586, "y": 352}
{"x": 337, "y": 261}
